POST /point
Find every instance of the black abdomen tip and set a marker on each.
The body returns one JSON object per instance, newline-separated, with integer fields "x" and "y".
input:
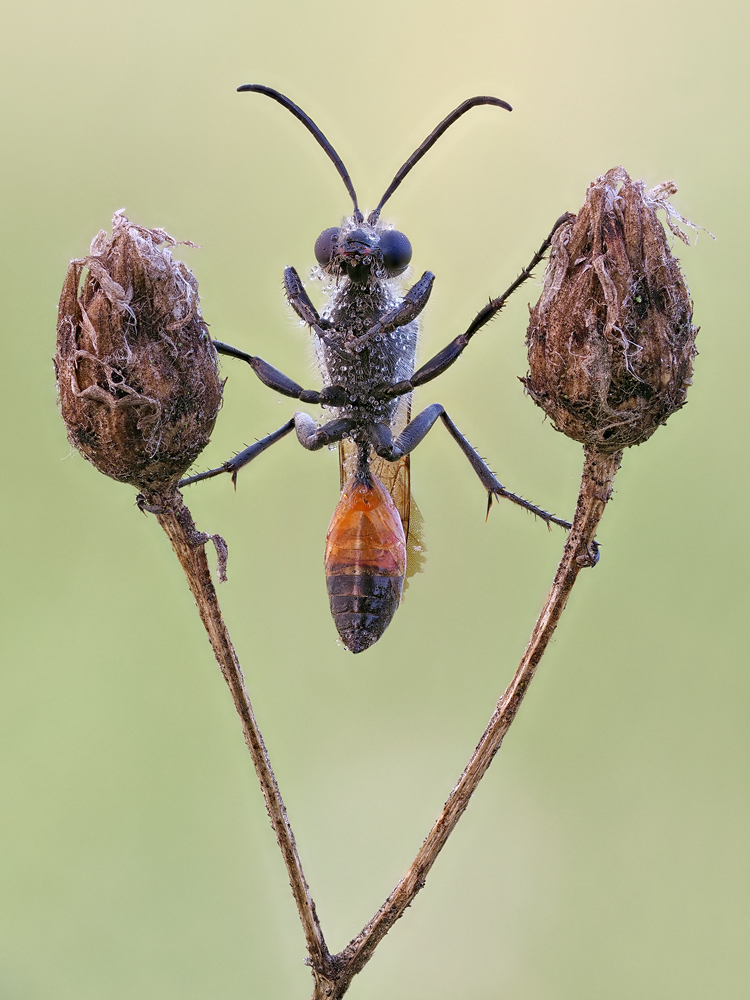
{"x": 362, "y": 606}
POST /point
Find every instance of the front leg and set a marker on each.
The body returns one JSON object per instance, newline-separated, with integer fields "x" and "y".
{"x": 407, "y": 310}
{"x": 300, "y": 301}
{"x": 412, "y": 305}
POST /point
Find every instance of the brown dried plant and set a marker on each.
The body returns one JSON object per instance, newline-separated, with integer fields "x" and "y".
{"x": 137, "y": 374}
{"x": 611, "y": 340}
{"x": 611, "y": 343}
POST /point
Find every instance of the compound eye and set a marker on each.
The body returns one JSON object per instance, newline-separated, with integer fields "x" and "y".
{"x": 324, "y": 245}
{"x": 396, "y": 250}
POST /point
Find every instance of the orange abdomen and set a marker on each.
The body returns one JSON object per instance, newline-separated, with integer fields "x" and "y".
{"x": 365, "y": 562}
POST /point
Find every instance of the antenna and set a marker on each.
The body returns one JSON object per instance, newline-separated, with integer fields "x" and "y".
{"x": 430, "y": 141}
{"x": 310, "y": 125}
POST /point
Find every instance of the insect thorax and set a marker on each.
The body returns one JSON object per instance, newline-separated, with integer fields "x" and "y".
{"x": 352, "y": 308}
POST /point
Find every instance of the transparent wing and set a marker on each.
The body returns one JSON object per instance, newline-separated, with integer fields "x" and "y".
{"x": 393, "y": 475}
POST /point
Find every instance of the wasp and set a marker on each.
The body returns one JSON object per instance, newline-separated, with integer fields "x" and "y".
{"x": 365, "y": 341}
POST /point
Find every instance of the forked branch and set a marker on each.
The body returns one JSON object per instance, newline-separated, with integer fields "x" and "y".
{"x": 333, "y": 973}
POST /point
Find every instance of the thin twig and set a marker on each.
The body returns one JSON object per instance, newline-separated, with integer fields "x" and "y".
{"x": 189, "y": 546}
{"x": 596, "y": 488}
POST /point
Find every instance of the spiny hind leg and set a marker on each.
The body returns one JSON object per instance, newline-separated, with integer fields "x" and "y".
{"x": 310, "y": 436}
{"x": 382, "y": 441}
{"x": 234, "y": 465}
{"x": 493, "y": 486}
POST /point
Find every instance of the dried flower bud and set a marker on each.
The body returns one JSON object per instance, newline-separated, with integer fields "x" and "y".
{"x": 136, "y": 369}
{"x": 611, "y": 340}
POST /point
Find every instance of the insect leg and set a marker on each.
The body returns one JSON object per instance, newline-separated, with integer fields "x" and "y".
{"x": 490, "y": 482}
{"x": 445, "y": 358}
{"x": 299, "y": 300}
{"x": 235, "y": 464}
{"x": 381, "y": 437}
{"x": 412, "y": 305}
{"x": 331, "y": 395}
{"x": 382, "y": 441}
{"x": 312, "y": 437}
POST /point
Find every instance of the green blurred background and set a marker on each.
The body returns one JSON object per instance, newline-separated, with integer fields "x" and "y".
{"x": 605, "y": 853}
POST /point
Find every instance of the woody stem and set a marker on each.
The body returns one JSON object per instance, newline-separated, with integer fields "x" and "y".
{"x": 189, "y": 547}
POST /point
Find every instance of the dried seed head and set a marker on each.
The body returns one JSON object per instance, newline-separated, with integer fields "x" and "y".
{"x": 136, "y": 369}
{"x": 611, "y": 340}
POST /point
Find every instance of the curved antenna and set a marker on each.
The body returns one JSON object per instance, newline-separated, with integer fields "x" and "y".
{"x": 430, "y": 141}
{"x": 310, "y": 125}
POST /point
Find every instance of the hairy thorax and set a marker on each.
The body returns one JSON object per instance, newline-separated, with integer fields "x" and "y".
{"x": 352, "y": 309}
